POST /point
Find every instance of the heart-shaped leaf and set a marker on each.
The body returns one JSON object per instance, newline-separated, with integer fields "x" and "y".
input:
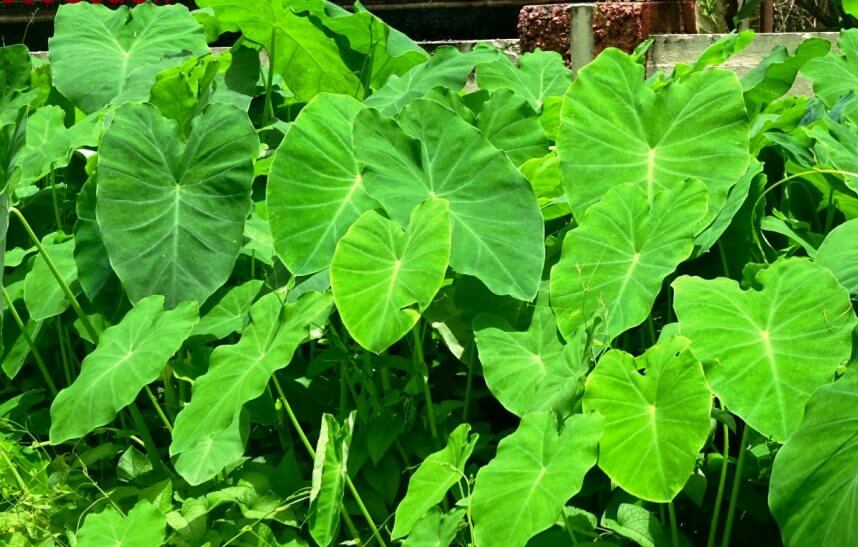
{"x": 99, "y": 55}
{"x": 512, "y": 125}
{"x": 315, "y": 190}
{"x": 539, "y": 75}
{"x": 143, "y": 526}
{"x": 129, "y": 356}
{"x": 613, "y": 264}
{"x": 765, "y": 350}
{"x": 616, "y": 130}
{"x": 814, "y": 485}
{"x": 839, "y": 253}
{"x": 175, "y": 227}
{"x": 522, "y": 490}
{"x": 656, "y": 410}
{"x": 431, "y": 152}
{"x": 379, "y": 272}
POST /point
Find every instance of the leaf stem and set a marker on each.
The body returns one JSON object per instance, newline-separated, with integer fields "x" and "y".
{"x": 469, "y": 383}
{"x": 40, "y": 363}
{"x": 674, "y": 526}
{"x": 734, "y": 493}
{"x": 422, "y": 369}
{"x": 55, "y": 199}
{"x": 148, "y": 441}
{"x": 269, "y": 82}
{"x": 722, "y": 483}
{"x": 312, "y": 452}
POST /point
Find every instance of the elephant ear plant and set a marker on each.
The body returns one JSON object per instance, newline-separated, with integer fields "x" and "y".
{"x": 324, "y": 287}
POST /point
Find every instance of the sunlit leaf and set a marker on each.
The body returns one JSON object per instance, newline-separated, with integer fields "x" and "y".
{"x": 330, "y": 469}
{"x": 143, "y": 526}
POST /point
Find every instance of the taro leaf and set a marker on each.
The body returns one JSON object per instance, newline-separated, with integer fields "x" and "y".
{"x": 315, "y": 190}
{"x": 132, "y": 464}
{"x": 237, "y": 85}
{"x": 42, "y": 294}
{"x": 522, "y": 491}
{"x": 432, "y": 152}
{"x": 837, "y": 145}
{"x": 716, "y": 54}
{"x": 181, "y": 92}
{"x": 656, "y": 410}
{"x": 175, "y": 227}
{"x": 128, "y": 357}
{"x": 836, "y": 74}
{"x": 239, "y": 373}
{"x": 227, "y": 314}
{"x": 526, "y": 371}
{"x": 435, "y": 529}
{"x": 143, "y": 526}
{"x": 814, "y": 485}
{"x": 839, "y": 253}
{"x": 736, "y": 198}
{"x": 448, "y": 68}
{"x": 50, "y": 144}
{"x": 13, "y": 135}
{"x": 15, "y": 81}
{"x": 544, "y": 176}
{"x": 613, "y": 264}
{"x": 616, "y": 130}
{"x": 630, "y": 519}
{"x": 16, "y": 348}
{"x": 329, "y": 478}
{"x": 380, "y": 272}
{"x": 540, "y": 74}
{"x": 213, "y": 454}
{"x": 775, "y": 75}
{"x": 433, "y": 478}
{"x": 307, "y": 60}
{"x": 100, "y": 54}
{"x": 765, "y": 350}
{"x": 90, "y": 256}
{"x": 512, "y": 125}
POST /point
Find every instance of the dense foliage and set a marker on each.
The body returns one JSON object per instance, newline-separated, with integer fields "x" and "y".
{"x": 440, "y": 299}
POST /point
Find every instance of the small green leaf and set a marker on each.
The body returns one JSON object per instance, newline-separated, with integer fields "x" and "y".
{"x": 433, "y": 478}
{"x": 435, "y": 529}
{"x": 540, "y": 74}
{"x": 512, "y": 125}
{"x": 379, "y": 272}
{"x": 42, "y": 294}
{"x": 213, "y": 454}
{"x": 836, "y": 74}
{"x": 765, "y": 350}
{"x": 656, "y": 410}
{"x": 227, "y": 314}
{"x": 773, "y": 77}
{"x": 522, "y": 491}
{"x": 330, "y": 468}
{"x": 50, "y": 144}
{"x": 129, "y": 356}
{"x": 839, "y": 254}
{"x": 143, "y": 526}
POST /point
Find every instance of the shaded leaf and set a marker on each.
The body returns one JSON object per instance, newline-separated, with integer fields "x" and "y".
{"x": 330, "y": 468}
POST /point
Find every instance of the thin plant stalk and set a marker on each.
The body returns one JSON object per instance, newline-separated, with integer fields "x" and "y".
{"x": 312, "y": 452}
{"x": 422, "y": 369}
{"x": 674, "y": 526}
{"x": 148, "y": 441}
{"x": 734, "y": 493}
{"x": 63, "y": 353}
{"x": 269, "y": 82}
{"x": 722, "y": 483}
{"x": 37, "y": 356}
{"x": 55, "y": 199}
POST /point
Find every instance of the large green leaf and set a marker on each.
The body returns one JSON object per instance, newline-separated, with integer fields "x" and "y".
{"x": 383, "y": 277}
{"x": 315, "y": 190}
{"x": 537, "y": 469}
{"x": 615, "y": 129}
{"x": 433, "y": 478}
{"x": 432, "y": 152}
{"x": 613, "y": 264}
{"x": 766, "y": 349}
{"x": 99, "y": 54}
{"x": 839, "y": 253}
{"x": 814, "y": 485}
{"x": 302, "y": 54}
{"x": 43, "y": 296}
{"x": 512, "y": 125}
{"x": 239, "y": 373}
{"x": 540, "y": 74}
{"x": 330, "y": 469}
{"x": 527, "y": 371}
{"x": 90, "y": 256}
{"x": 172, "y": 213}
{"x": 143, "y": 526}
{"x": 50, "y": 144}
{"x": 656, "y": 410}
{"x": 128, "y": 357}
{"x": 836, "y": 74}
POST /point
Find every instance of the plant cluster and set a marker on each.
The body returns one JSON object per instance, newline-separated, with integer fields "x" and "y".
{"x": 325, "y": 287}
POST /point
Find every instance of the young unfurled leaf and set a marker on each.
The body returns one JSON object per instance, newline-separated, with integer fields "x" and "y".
{"x": 613, "y": 264}
{"x": 238, "y": 373}
{"x": 522, "y": 491}
{"x": 143, "y": 526}
{"x": 315, "y": 190}
{"x": 175, "y": 228}
{"x": 433, "y": 478}
{"x": 540, "y": 74}
{"x": 656, "y": 410}
{"x": 43, "y": 296}
{"x": 99, "y": 55}
{"x": 527, "y": 371}
{"x": 129, "y": 356}
{"x": 814, "y": 491}
{"x": 329, "y": 478}
{"x": 431, "y": 152}
{"x": 379, "y": 272}
{"x": 616, "y": 130}
{"x": 765, "y": 350}
{"x": 839, "y": 253}
{"x": 512, "y": 125}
